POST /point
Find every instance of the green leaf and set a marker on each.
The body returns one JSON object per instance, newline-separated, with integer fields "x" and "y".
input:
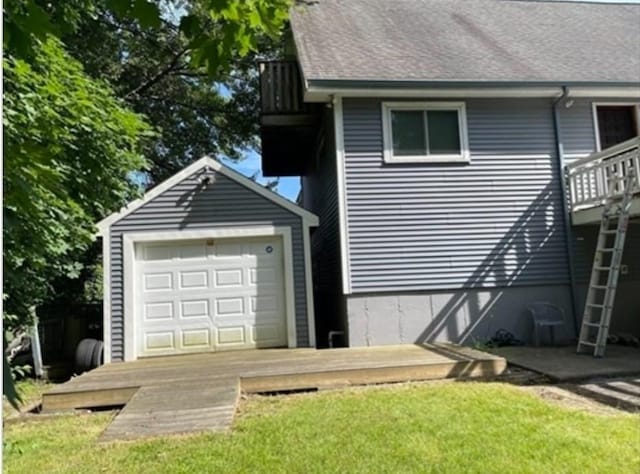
{"x": 120, "y": 7}
{"x": 190, "y": 25}
{"x": 147, "y": 13}
{"x": 8, "y": 384}
{"x": 72, "y": 145}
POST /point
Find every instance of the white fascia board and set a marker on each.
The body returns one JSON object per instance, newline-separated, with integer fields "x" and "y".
{"x": 606, "y": 92}
{"x": 308, "y": 217}
{"x": 323, "y": 94}
{"x": 318, "y": 94}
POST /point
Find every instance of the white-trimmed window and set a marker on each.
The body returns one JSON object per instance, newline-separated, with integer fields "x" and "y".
{"x": 615, "y": 123}
{"x": 429, "y": 132}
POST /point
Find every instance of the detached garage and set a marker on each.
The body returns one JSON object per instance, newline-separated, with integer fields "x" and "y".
{"x": 206, "y": 261}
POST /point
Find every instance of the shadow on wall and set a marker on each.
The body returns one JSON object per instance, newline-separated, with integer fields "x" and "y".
{"x": 480, "y": 309}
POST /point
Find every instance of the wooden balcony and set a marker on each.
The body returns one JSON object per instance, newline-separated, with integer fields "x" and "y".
{"x": 601, "y": 175}
{"x": 289, "y": 126}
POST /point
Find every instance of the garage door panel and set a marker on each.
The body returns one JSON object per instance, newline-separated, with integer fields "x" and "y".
{"x": 230, "y": 336}
{"x": 192, "y": 251}
{"x": 266, "y": 334}
{"x": 194, "y": 279}
{"x": 228, "y": 277}
{"x": 197, "y": 297}
{"x": 196, "y": 338}
{"x": 158, "y": 311}
{"x": 158, "y": 281}
{"x": 159, "y": 341}
{"x": 264, "y": 304}
{"x": 230, "y": 306}
{"x": 158, "y": 252}
{"x": 264, "y": 276}
{"x": 194, "y": 309}
{"x": 231, "y": 249}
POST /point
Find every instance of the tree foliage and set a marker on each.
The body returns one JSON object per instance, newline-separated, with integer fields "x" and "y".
{"x": 217, "y": 31}
{"x": 194, "y": 113}
{"x": 70, "y": 149}
{"x": 70, "y": 146}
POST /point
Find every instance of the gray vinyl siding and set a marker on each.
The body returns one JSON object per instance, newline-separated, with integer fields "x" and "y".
{"x": 222, "y": 204}
{"x": 586, "y": 238}
{"x": 577, "y": 127}
{"x": 495, "y": 222}
{"x": 321, "y": 198}
{"x": 320, "y": 192}
{"x": 576, "y": 130}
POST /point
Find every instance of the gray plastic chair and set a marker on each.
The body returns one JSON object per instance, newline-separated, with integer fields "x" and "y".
{"x": 545, "y": 315}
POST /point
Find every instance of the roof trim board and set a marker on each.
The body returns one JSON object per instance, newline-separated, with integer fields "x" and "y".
{"x": 322, "y": 91}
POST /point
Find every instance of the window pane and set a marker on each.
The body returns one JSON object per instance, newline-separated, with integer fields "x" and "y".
{"x": 444, "y": 135}
{"x": 407, "y": 128}
{"x": 616, "y": 124}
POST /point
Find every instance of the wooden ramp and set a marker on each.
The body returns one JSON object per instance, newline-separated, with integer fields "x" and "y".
{"x": 189, "y": 393}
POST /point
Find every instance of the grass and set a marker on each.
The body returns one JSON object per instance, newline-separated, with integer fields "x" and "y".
{"x": 30, "y": 391}
{"x": 452, "y": 427}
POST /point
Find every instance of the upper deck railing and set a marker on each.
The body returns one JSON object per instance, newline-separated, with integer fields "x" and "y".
{"x": 602, "y": 175}
{"x": 281, "y": 89}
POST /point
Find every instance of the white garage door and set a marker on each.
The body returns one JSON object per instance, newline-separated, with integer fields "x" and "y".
{"x": 207, "y": 295}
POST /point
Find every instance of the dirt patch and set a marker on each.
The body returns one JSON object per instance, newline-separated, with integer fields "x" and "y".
{"x": 564, "y": 397}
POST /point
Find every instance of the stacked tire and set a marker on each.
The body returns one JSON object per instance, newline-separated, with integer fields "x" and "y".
{"x": 89, "y": 355}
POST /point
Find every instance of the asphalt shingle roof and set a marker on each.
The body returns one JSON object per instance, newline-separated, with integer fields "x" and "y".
{"x": 468, "y": 41}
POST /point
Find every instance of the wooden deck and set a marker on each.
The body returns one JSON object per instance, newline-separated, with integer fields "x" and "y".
{"x": 179, "y": 394}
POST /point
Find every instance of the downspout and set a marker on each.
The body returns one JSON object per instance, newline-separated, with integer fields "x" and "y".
{"x": 565, "y": 206}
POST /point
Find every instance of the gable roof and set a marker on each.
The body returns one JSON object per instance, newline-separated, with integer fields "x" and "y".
{"x": 467, "y": 41}
{"x": 307, "y": 217}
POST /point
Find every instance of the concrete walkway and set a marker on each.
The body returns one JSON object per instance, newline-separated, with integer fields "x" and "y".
{"x": 622, "y": 393}
{"x": 191, "y": 393}
{"x": 562, "y": 364}
{"x": 613, "y": 379}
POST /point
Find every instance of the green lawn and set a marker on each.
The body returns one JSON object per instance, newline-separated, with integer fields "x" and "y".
{"x": 453, "y": 427}
{"x": 30, "y": 391}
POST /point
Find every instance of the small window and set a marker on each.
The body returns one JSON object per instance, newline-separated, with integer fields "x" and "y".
{"x": 615, "y": 124}
{"x": 425, "y": 132}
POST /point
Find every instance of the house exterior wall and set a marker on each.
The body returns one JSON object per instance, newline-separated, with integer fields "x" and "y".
{"x": 187, "y": 206}
{"x": 494, "y": 222}
{"x": 577, "y": 130}
{"x": 320, "y": 196}
{"x": 456, "y": 251}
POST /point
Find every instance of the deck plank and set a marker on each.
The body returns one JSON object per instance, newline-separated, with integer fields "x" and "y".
{"x": 199, "y": 392}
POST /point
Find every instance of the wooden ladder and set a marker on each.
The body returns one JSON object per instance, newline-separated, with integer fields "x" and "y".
{"x": 606, "y": 269}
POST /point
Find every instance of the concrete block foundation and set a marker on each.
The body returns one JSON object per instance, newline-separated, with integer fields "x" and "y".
{"x": 459, "y": 316}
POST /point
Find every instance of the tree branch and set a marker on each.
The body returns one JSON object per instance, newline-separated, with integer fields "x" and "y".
{"x": 204, "y": 111}
{"x": 173, "y": 65}
{"x": 188, "y": 73}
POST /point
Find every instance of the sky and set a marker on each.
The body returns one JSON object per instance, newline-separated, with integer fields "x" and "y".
{"x": 287, "y": 187}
